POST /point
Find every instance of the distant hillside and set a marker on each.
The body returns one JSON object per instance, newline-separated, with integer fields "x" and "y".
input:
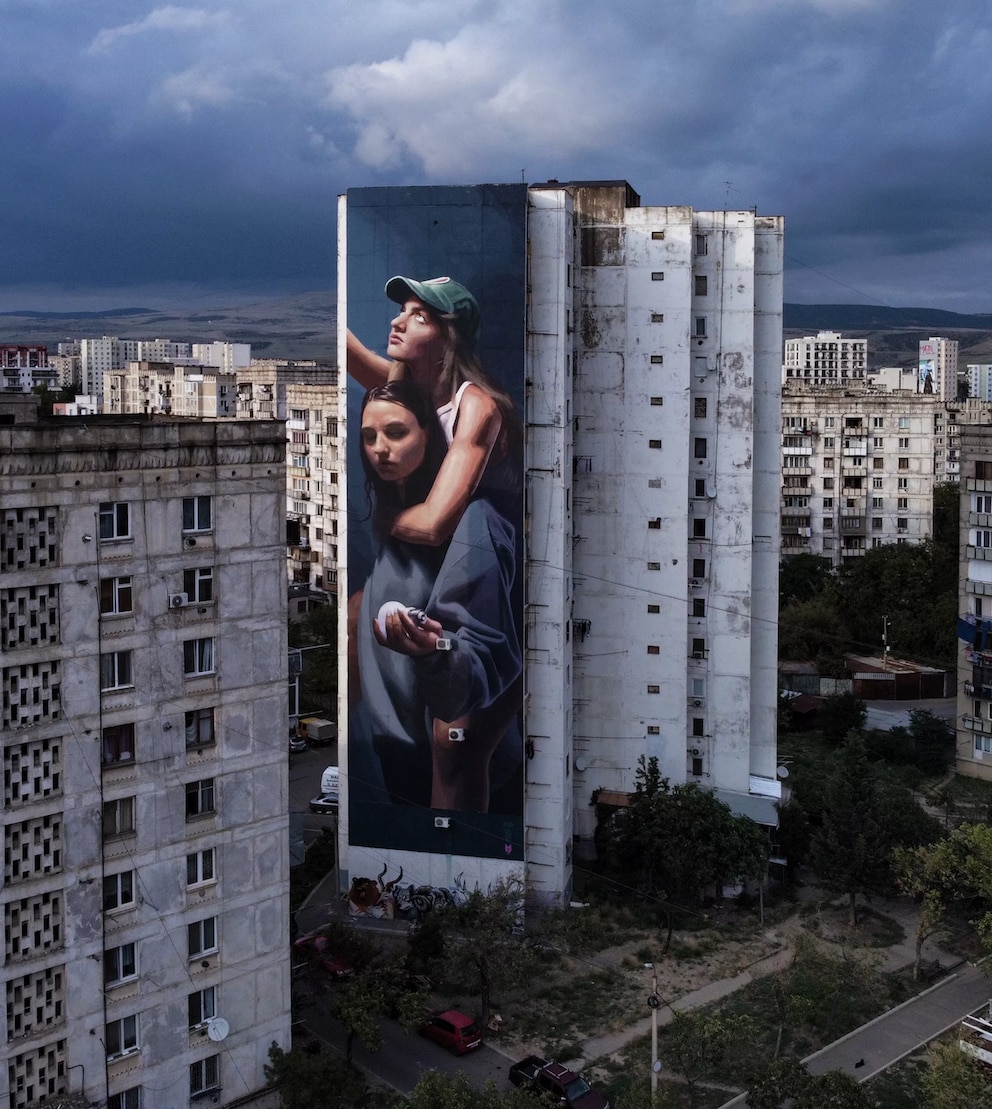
{"x": 873, "y": 317}
{"x": 305, "y": 326}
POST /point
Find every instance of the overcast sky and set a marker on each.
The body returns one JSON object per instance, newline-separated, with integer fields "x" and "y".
{"x": 182, "y": 154}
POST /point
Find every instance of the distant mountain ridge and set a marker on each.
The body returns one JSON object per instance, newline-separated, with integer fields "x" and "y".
{"x": 873, "y": 317}
{"x": 305, "y": 326}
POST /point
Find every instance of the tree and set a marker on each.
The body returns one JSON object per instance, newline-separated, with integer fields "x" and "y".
{"x": 313, "y": 1079}
{"x": 955, "y": 1080}
{"x": 933, "y": 741}
{"x": 803, "y": 576}
{"x": 441, "y": 1091}
{"x": 811, "y": 629}
{"x": 698, "y": 1043}
{"x": 956, "y": 870}
{"x": 483, "y": 943}
{"x": 675, "y": 841}
{"x": 842, "y": 713}
{"x": 787, "y": 1081}
{"x": 377, "y": 990}
{"x": 850, "y": 850}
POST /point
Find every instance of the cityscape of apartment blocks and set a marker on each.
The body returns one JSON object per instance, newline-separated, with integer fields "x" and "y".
{"x": 862, "y": 448}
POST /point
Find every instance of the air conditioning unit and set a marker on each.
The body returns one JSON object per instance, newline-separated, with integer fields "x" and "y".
{"x": 693, "y": 582}
{"x": 969, "y": 688}
{"x": 189, "y": 541}
{"x": 697, "y": 654}
{"x": 694, "y": 751}
{"x": 178, "y": 600}
{"x": 442, "y": 821}
{"x": 697, "y": 704}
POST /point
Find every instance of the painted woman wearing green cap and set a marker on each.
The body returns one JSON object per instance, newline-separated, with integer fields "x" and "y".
{"x": 432, "y": 342}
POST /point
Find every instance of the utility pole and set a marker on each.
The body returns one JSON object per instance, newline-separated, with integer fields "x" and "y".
{"x": 885, "y": 642}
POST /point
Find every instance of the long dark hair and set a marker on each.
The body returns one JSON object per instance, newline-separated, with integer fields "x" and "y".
{"x": 385, "y": 499}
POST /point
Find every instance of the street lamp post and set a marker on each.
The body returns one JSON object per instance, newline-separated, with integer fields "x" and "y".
{"x": 654, "y": 1003}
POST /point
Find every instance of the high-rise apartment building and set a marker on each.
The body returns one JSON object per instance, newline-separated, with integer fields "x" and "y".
{"x": 974, "y": 715}
{"x": 938, "y": 367}
{"x": 646, "y": 348}
{"x": 145, "y": 798}
{"x": 826, "y": 358}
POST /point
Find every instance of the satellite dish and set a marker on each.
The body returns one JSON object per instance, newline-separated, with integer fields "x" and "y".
{"x": 217, "y": 1029}
{"x": 782, "y": 772}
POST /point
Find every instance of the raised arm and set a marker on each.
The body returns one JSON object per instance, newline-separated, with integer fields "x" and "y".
{"x": 365, "y": 366}
{"x": 476, "y": 431}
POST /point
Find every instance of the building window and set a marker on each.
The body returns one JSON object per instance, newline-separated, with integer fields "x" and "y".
{"x": 654, "y": 729}
{"x": 657, "y": 359}
{"x": 877, "y": 443}
{"x": 198, "y": 585}
{"x": 902, "y": 483}
{"x": 698, "y": 648}
{"x": 699, "y": 567}
{"x": 118, "y": 817}
{"x": 202, "y": 1005}
{"x": 828, "y": 483}
{"x": 654, "y": 649}
{"x": 196, "y": 514}
{"x": 828, "y": 523}
{"x": 699, "y": 487}
{"x": 698, "y": 528}
{"x": 654, "y": 689}
{"x": 119, "y": 964}
{"x": 198, "y": 657}
{"x": 904, "y": 443}
{"x": 697, "y": 767}
{"x": 200, "y": 799}
{"x": 902, "y": 504}
{"x": 118, "y": 744}
{"x": 903, "y": 463}
{"x": 697, "y": 725}
{"x": 698, "y": 606}
{"x": 699, "y": 327}
{"x": 828, "y": 502}
{"x": 658, "y": 275}
{"x": 700, "y": 283}
{"x": 876, "y": 502}
{"x": 828, "y": 463}
{"x": 654, "y": 444}
{"x": 118, "y": 891}
{"x": 655, "y": 524}
{"x": 878, "y": 463}
{"x": 654, "y": 565}
{"x": 877, "y": 483}
{"x": 204, "y": 1077}
{"x": 127, "y": 1099}
{"x": 654, "y": 609}
{"x": 902, "y": 522}
{"x": 200, "y": 867}
{"x": 828, "y": 443}
{"x": 201, "y": 937}
{"x": 876, "y": 522}
{"x": 115, "y": 596}
{"x": 200, "y": 728}
{"x": 699, "y": 408}
{"x": 657, "y": 402}
{"x": 115, "y": 671}
{"x": 903, "y": 423}
{"x": 878, "y": 421}
{"x": 115, "y": 521}
{"x": 699, "y": 448}
{"x": 121, "y": 1036}
{"x": 700, "y": 245}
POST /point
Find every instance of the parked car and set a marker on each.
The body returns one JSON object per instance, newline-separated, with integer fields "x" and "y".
{"x": 325, "y": 805}
{"x": 559, "y": 1084}
{"x": 296, "y": 744}
{"x": 315, "y": 948}
{"x": 318, "y": 731}
{"x": 453, "y": 1030}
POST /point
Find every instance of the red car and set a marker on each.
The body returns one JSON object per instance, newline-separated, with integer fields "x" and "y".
{"x": 315, "y": 947}
{"x": 453, "y": 1030}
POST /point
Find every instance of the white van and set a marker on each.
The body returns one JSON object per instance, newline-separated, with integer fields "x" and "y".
{"x": 330, "y": 782}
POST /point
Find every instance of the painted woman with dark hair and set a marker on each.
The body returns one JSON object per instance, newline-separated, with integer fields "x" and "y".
{"x": 432, "y": 343}
{"x": 441, "y": 670}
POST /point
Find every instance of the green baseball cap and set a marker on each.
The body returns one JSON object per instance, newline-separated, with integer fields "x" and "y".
{"x": 443, "y": 294}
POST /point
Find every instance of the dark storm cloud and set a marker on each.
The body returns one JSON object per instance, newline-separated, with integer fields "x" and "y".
{"x": 204, "y": 144}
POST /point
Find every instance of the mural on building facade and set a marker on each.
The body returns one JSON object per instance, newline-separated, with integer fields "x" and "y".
{"x": 435, "y": 318}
